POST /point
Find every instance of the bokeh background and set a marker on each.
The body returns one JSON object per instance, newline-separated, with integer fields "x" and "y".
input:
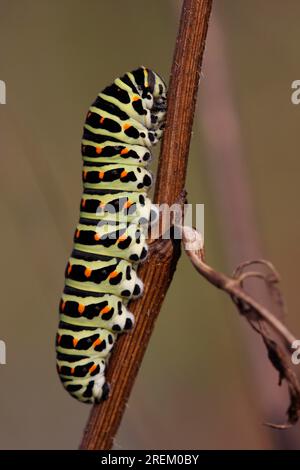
{"x": 205, "y": 381}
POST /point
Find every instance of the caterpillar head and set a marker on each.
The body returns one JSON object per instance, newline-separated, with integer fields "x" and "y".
{"x": 151, "y": 88}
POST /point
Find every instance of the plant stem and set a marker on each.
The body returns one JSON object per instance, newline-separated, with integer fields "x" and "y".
{"x": 158, "y": 270}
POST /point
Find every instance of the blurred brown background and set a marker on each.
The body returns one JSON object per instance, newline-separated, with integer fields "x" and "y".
{"x": 205, "y": 382}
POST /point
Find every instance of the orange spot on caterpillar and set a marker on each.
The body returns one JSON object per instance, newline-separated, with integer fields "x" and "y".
{"x": 75, "y": 341}
{"x": 126, "y": 126}
{"x": 58, "y": 339}
{"x": 81, "y": 308}
{"x": 122, "y": 238}
{"x": 87, "y": 272}
{"x": 92, "y": 368}
{"x": 83, "y": 201}
{"x": 98, "y": 150}
{"x": 69, "y": 268}
{"x": 136, "y": 98}
{"x": 105, "y": 310}
{"x": 124, "y": 151}
{"x": 101, "y": 175}
{"x": 63, "y": 304}
{"x": 77, "y": 235}
{"x": 72, "y": 370}
{"x": 123, "y": 174}
{"x": 97, "y": 236}
{"x": 89, "y": 114}
{"x": 102, "y": 120}
{"x": 84, "y": 174}
{"x": 113, "y": 274}
{"x": 127, "y": 204}
{"x": 97, "y": 342}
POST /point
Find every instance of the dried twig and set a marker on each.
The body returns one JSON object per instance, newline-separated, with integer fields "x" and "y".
{"x": 157, "y": 272}
{"x": 225, "y": 158}
{"x": 256, "y": 314}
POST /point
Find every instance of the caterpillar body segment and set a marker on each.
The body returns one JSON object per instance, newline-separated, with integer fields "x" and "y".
{"x": 123, "y": 177}
{"x": 122, "y": 206}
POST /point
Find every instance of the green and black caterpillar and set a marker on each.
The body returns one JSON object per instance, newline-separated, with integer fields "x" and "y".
{"x": 122, "y": 124}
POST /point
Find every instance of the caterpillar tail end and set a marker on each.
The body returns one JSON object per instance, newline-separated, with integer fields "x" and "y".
{"x": 102, "y": 394}
{"x": 92, "y": 392}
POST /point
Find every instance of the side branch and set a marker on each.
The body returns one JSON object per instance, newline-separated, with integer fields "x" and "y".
{"x": 279, "y": 346}
{"x": 158, "y": 270}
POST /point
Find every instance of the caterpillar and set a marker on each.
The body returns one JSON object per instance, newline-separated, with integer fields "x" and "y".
{"x": 122, "y": 124}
